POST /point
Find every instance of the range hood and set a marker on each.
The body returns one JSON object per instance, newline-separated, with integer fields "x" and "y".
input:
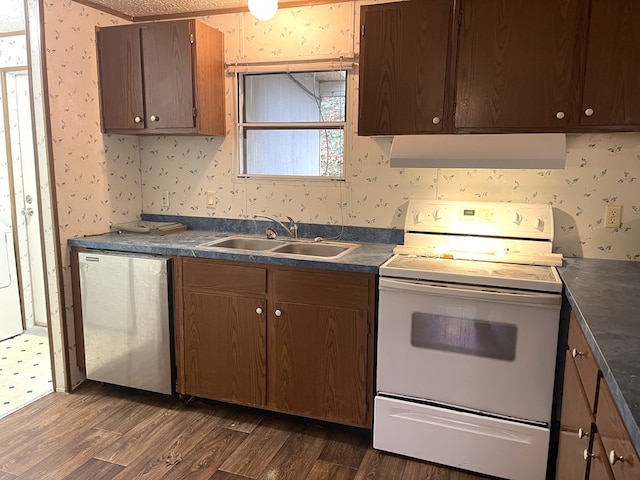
{"x": 519, "y": 151}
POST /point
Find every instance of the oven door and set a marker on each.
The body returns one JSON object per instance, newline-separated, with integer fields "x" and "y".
{"x": 486, "y": 349}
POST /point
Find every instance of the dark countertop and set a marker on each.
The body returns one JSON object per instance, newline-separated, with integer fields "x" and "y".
{"x": 366, "y": 258}
{"x": 605, "y": 295}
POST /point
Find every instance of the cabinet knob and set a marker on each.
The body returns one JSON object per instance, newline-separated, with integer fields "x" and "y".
{"x": 575, "y": 353}
{"x": 259, "y": 311}
{"x": 137, "y": 119}
{"x": 614, "y": 457}
{"x": 582, "y": 433}
{"x": 587, "y": 455}
{"x": 278, "y": 313}
{"x": 560, "y": 115}
{"x": 588, "y": 112}
{"x": 154, "y": 118}
{"x": 436, "y": 120}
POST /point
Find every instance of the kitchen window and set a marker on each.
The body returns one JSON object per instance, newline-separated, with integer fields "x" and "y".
{"x": 292, "y": 124}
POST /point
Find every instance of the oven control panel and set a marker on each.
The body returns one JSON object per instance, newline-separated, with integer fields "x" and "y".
{"x": 495, "y": 219}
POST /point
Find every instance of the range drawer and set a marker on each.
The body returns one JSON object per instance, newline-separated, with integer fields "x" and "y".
{"x": 460, "y": 439}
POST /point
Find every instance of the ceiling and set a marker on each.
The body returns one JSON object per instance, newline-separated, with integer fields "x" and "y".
{"x": 148, "y": 9}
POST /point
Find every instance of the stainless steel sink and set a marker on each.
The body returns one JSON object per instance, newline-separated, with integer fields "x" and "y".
{"x": 309, "y": 249}
{"x": 325, "y": 250}
{"x": 245, "y": 243}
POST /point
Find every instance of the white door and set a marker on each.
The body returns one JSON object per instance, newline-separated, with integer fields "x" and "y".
{"x": 10, "y": 315}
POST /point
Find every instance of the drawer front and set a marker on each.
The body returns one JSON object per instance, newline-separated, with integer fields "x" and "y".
{"x": 460, "y": 439}
{"x": 584, "y": 360}
{"x": 205, "y": 276}
{"x": 618, "y": 448}
{"x": 314, "y": 287}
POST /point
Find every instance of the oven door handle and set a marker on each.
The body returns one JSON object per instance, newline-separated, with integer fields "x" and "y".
{"x": 449, "y": 290}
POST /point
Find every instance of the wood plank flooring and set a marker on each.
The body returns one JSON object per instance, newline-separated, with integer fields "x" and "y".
{"x": 102, "y": 432}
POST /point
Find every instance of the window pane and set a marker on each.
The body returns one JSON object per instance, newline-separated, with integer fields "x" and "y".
{"x": 294, "y": 97}
{"x": 294, "y": 152}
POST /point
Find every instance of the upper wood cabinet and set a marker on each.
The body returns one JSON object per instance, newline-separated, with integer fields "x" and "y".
{"x": 404, "y": 60}
{"x": 499, "y": 66}
{"x": 515, "y": 64}
{"x": 611, "y": 97}
{"x": 162, "y": 78}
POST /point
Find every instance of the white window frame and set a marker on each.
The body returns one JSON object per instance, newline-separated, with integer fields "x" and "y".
{"x": 289, "y": 66}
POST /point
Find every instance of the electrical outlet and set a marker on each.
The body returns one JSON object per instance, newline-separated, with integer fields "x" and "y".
{"x": 165, "y": 198}
{"x": 211, "y": 199}
{"x": 612, "y": 216}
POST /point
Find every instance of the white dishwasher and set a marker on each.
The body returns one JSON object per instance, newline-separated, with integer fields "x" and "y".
{"x": 125, "y": 315}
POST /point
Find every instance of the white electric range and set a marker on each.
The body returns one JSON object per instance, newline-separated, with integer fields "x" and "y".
{"x": 468, "y": 319}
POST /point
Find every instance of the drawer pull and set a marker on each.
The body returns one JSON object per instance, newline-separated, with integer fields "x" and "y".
{"x": 614, "y": 457}
{"x": 582, "y": 433}
{"x": 587, "y": 455}
{"x": 576, "y": 353}
{"x": 259, "y": 311}
{"x": 278, "y": 313}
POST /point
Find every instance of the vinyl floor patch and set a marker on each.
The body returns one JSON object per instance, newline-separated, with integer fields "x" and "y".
{"x": 25, "y": 371}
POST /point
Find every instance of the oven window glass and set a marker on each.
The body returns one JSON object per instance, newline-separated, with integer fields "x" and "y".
{"x": 457, "y": 334}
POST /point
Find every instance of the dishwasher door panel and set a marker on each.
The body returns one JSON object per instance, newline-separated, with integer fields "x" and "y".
{"x": 125, "y": 313}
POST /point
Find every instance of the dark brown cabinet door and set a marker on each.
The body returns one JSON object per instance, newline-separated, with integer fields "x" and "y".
{"x": 576, "y": 425}
{"x": 162, "y": 78}
{"x": 320, "y": 362}
{"x": 516, "y": 60}
{"x": 168, "y": 74}
{"x": 120, "y": 72}
{"x": 404, "y": 55}
{"x": 611, "y": 95}
{"x": 224, "y": 348}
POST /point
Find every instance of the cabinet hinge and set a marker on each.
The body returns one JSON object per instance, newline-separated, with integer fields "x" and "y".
{"x": 192, "y": 38}
{"x": 195, "y": 112}
{"x": 460, "y": 17}
{"x": 362, "y": 30}
{"x": 366, "y": 407}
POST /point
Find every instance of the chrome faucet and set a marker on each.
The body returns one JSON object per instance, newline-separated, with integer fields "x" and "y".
{"x": 292, "y": 230}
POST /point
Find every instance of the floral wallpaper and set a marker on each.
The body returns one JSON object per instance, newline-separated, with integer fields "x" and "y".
{"x": 103, "y": 179}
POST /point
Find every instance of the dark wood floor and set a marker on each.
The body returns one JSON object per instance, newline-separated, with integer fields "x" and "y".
{"x": 105, "y": 432}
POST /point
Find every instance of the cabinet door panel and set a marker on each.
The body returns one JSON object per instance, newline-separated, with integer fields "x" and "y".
{"x": 584, "y": 360}
{"x": 512, "y": 73}
{"x": 615, "y": 437}
{"x": 120, "y": 72}
{"x": 318, "y": 362}
{"x": 168, "y": 75}
{"x": 599, "y": 468}
{"x": 224, "y": 348}
{"x": 613, "y": 64}
{"x": 575, "y": 425}
{"x": 403, "y": 67}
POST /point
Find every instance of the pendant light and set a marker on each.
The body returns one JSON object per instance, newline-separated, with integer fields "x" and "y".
{"x": 263, "y": 9}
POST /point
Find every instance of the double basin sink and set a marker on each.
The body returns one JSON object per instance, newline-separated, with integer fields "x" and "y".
{"x": 304, "y": 248}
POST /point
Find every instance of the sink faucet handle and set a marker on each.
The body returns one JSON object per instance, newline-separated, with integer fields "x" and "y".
{"x": 294, "y": 227}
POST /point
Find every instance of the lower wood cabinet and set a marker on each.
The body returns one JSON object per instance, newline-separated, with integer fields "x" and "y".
{"x": 594, "y": 443}
{"x": 576, "y": 425}
{"x": 288, "y": 339}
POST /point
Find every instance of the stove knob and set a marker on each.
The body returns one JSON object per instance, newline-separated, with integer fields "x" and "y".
{"x": 418, "y": 218}
{"x": 436, "y": 214}
{"x": 538, "y": 224}
{"x": 516, "y": 218}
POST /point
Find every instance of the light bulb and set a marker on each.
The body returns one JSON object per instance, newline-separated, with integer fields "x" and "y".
{"x": 263, "y": 9}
